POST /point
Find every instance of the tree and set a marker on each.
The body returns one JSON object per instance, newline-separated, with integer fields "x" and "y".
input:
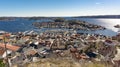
{"x": 1, "y": 63}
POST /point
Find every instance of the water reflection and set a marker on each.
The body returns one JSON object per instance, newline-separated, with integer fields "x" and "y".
{"x": 110, "y": 23}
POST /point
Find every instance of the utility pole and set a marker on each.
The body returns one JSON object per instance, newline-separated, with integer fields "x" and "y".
{"x": 4, "y": 40}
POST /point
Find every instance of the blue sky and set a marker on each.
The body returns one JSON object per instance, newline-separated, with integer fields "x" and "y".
{"x": 59, "y": 7}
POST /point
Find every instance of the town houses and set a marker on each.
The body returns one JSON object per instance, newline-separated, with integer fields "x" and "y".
{"x": 23, "y": 48}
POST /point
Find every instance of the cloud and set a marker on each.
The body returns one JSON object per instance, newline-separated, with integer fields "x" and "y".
{"x": 97, "y": 3}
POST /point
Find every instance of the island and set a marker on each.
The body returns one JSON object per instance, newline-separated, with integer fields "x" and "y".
{"x": 68, "y": 24}
{"x": 117, "y": 26}
{"x": 7, "y": 18}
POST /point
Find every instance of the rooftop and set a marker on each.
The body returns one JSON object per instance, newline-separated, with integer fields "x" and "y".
{"x": 10, "y": 47}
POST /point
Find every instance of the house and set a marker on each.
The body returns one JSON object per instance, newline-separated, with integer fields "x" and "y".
{"x": 91, "y": 38}
{"x": 31, "y": 52}
{"x": 33, "y": 45}
{"x": 17, "y": 59}
{"x": 110, "y": 42}
{"x": 1, "y": 52}
{"x": 58, "y": 43}
{"x": 10, "y": 49}
{"x": 116, "y": 59}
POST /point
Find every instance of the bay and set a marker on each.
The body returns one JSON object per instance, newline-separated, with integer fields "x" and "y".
{"x": 21, "y": 25}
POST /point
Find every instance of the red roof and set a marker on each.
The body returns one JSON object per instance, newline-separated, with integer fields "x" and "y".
{"x": 2, "y": 52}
{"x": 108, "y": 41}
{"x": 10, "y": 47}
{"x": 32, "y": 52}
{"x": 91, "y": 38}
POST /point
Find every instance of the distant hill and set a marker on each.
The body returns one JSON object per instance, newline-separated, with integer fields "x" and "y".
{"x": 40, "y": 17}
{"x": 7, "y": 18}
{"x": 100, "y": 16}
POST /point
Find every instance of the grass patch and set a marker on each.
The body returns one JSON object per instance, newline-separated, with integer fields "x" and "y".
{"x": 51, "y": 62}
{"x": 1, "y": 63}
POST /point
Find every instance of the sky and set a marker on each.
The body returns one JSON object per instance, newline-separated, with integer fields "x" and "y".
{"x": 59, "y": 7}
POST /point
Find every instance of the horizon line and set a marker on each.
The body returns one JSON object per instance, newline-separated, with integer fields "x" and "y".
{"x": 62, "y": 16}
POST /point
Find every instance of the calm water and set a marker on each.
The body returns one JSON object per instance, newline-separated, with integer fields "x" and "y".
{"x": 108, "y": 23}
{"x": 24, "y": 25}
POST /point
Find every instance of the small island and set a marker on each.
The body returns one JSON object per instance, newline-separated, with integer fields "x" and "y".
{"x": 117, "y": 26}
{"x": 68, "y": 24}
{"x": 7, "y": 18}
